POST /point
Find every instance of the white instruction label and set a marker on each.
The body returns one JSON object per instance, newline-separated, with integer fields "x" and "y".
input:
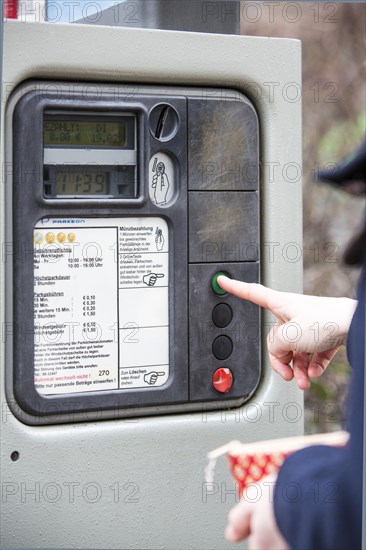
{"x": 101, "y": 304}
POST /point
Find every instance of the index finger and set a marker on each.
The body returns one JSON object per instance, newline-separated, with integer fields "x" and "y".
{"x": 258, "y": 294}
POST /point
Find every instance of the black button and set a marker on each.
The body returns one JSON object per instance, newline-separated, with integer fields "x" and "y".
{"x": 222, "y": 347}
{"x": 222, "y": 315}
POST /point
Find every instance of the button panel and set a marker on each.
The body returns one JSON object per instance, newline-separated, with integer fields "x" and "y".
{"x": 223, "y": 229}
{"x": 221, "y": 330}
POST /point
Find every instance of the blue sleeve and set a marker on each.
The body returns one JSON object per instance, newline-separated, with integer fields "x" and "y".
{"x": 318, "y": 494}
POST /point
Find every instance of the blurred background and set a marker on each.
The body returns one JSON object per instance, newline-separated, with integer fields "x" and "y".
{"x": 333, "y": 37}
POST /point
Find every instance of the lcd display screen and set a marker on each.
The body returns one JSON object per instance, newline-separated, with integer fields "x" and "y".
{"x": 77, "y": 182}
{"x": 84, "y": 133}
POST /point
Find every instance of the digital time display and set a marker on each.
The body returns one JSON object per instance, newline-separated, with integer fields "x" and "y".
{"x": 84, "y": 133}
{"x": 77, "y": 182}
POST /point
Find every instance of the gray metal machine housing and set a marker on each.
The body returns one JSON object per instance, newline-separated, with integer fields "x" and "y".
{"x": 139, "y": 482}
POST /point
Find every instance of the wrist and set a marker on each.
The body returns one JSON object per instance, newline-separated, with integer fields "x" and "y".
{"x": 347, "y": 306}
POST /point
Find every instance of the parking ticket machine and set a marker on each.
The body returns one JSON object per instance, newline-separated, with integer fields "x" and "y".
{"x": 133, "y": 205}
{"x": 136, "y": 171}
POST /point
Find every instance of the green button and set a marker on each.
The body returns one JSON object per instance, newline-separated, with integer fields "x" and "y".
{"x": 215, "y": 285}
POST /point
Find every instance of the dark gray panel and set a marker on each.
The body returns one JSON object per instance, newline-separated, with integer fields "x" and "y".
{"x": 223, "y": 227}
{"x": 223, "y": 231}
{"x": 223, "y": 143}
{"x": 243, "y": 331}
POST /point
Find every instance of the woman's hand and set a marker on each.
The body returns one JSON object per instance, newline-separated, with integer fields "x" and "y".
{"x": 255, "y": 519}
{"x": 309, "y": 329}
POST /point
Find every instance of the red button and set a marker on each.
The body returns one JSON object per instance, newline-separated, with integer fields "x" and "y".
{"x": 222, "y": 380}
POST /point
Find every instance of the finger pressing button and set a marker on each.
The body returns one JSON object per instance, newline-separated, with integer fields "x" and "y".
{"x": 215, "y": 285}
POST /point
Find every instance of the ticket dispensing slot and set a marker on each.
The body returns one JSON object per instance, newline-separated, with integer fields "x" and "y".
{"x": 132, "y": 207}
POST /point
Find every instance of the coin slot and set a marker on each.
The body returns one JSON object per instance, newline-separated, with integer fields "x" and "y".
{"x": 162, "y": 119}
{"x": 163, "y": 122}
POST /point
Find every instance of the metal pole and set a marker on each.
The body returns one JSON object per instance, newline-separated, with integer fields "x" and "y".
{"x": 1, "y": 59}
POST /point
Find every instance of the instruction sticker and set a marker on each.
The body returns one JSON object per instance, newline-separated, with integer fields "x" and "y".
{"x": 101, "y": 304}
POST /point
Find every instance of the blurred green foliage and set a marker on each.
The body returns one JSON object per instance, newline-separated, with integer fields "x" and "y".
{"x": 342, "y": 138}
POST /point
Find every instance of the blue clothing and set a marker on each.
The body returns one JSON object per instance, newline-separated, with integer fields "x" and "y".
{"x": 318, "y": 494}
